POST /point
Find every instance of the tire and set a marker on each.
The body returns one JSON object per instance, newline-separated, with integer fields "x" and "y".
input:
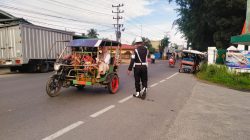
{"x": 53, "y": 87}
{"x": 44, "y": 67}
{"x": 31, "y": 68}
{"x": 81, "y": 87}
{"x": 13, "y": 69}
{"x": 113, "y": 85}
{"x": 21, "y": 69}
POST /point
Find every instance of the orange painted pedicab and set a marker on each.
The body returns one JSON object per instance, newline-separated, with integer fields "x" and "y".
{"x": 86, "y": 62}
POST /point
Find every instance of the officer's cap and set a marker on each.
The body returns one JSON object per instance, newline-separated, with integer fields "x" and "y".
{"x": 138, "y": 40}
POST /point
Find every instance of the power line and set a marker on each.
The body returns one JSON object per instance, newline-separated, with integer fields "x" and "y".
{"x": 130, "y": 21}
{"x": 66, "y": 27}
{"x": 73, "y": 6}
{"x": 48, "y": 15}
{"x": 101, "y": 5}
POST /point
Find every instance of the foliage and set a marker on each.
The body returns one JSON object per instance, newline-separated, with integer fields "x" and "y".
{"x": 164, "y": 43}
{"x": 210, "y": 22}
{"x": 221, "y": 75}
{"x": 147, "y": 43}
{"x": 92, "y": 33}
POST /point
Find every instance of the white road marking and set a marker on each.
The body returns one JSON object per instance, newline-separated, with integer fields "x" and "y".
{"x": 162, "y": 81}
{"x": 125, "y": 99}
{"x": 172, "y": 75}
{"x": 102, "y": 111}
{"x": 74, "y": 125}
{"x": 154, "y": 85}
{"x": 63, "y": 131}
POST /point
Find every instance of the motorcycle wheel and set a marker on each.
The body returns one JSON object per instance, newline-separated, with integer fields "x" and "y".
{"x": 53, "y": 87}
{"x": 80, "y": 87}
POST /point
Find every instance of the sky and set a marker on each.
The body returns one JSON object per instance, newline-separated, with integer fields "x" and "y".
{"x": 148, "y": 18}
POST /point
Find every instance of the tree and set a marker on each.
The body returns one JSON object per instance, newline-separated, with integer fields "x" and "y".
{"x": 164, "y": 43}
{"x": 84, "y": 35}
{"x": 92, "y": 33}
{"x": 148, "y": 44}
{"x": 210, "y": 23}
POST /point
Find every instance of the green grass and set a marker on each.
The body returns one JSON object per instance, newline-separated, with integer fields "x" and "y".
{"x": 219, "y": 74}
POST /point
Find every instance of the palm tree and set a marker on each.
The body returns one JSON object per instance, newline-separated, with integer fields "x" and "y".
{"x": 92, "y": 33}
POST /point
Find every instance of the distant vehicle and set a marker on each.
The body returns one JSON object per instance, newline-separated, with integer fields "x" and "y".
{"x": 190, "y": 61}
{"x": 152, "y": 57}
{"x": 81, "y": 68}
{"x": 171, "y": 62}
{"x": 25, "y": 47}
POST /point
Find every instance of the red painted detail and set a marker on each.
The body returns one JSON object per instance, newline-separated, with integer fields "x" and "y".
{"x": 115, "y": 84}
{"x": 244, "y": 29}
{"x": 18, "y": 61}
{"x": 81, "y": 82}
{"x": 187, "y": 62}
{"x": 171, "y": 61}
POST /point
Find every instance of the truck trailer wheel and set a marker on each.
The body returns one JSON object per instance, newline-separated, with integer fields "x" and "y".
{"x": 13, "y": 69}
{"x": 44, "y": 67}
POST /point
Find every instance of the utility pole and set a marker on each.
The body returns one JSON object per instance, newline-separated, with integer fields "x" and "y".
{"x": 118, "y": 18}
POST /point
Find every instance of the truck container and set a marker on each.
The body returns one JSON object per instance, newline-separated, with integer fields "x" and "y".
{"x": 31, "y": 48}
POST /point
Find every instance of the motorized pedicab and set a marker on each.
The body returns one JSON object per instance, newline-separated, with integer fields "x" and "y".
{"x": 77, "y": 66}
{"x": 190, "y": 61}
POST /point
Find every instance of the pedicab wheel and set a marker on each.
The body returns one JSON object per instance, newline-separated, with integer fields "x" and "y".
{"x": 53, "y": 87}
{"x": 113, "y": 85}
{"x": 81, "y": 87}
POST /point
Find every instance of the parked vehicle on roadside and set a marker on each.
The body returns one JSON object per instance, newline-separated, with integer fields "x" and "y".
{"x": 80, "y": 66}
{"x": 190, "y": 61}
{"x": 25, "y": 47}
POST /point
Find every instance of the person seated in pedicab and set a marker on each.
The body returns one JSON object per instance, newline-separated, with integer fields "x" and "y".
{"x": 197, "y": 61}
{"x": 103, "y": 61}
{"x": 74, "y": 58}
{"x": 87, "y": 61}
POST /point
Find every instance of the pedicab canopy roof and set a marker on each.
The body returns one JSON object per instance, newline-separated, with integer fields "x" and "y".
{"x": 92, "y": 43}
{"x": 193, "y": 51}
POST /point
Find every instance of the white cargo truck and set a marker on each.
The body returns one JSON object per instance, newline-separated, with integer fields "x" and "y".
{"x": 31, "y": 48}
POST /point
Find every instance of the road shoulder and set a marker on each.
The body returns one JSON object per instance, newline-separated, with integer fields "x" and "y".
{"x": 212, "y": 112}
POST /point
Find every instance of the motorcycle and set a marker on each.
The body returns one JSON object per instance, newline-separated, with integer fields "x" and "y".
{"x": 171, "y": 62}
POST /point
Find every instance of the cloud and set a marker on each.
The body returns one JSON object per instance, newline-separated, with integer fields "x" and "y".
{"x": 81, "y": 15}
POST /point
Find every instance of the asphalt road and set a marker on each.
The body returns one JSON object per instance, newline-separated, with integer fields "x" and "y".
{"x": 27, "y": 113}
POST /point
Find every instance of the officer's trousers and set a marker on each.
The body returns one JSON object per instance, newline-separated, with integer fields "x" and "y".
{"x": 141, "y": 76}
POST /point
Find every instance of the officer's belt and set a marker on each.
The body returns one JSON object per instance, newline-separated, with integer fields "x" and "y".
{"x": 140, "y": 63}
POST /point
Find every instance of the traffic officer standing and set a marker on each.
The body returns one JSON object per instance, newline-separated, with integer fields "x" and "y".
{"x": 139, "y": 63}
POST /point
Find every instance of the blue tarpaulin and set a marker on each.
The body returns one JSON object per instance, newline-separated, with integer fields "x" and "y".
{"x": 92, "y": 43}
{"x": 85, "y": 43}
{"x": 157, "y": 55}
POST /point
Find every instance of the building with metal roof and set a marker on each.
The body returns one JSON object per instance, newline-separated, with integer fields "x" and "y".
{"x": 6, "y": 18}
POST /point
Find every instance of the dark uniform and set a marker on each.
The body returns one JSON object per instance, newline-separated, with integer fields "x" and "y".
{"x": 139, "y": 63}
